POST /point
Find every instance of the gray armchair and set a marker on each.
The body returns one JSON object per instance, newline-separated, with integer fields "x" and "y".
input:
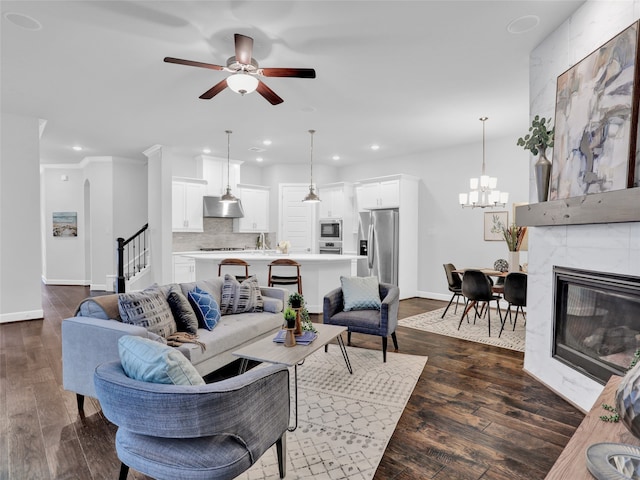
{"x": 381, "y": 322}
{"x": 214, "y": 431}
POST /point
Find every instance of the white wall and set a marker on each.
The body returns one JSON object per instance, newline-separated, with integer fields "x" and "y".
{"x": 608, "y": 247}
{"x": 448, "y": 233}
{"x": 20, "y": 247}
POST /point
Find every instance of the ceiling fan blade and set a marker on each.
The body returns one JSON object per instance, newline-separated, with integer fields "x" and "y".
{"x": 289, "y": 72}
{"x": 269, "y": 94}
{"x": 213, "y": 91}
{"x": 244, "y": 48}
{"x": 192, "y": 63}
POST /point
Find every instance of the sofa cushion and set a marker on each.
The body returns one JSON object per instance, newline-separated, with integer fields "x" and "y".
{"x": 360, "y": 293}
{"x": 183, "y": 314}
{"x": 149, "y": 361}
{"x": 206, "y": 308}
{"x": 147, "y": 309}
{"x": 241, "y": 297}
{"x": 272, "y": 305}
{"x": 102, "y": 306}
{"x": 212, "y": 286}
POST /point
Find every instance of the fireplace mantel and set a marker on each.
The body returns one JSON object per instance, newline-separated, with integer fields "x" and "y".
{"x": 609, "y": 207}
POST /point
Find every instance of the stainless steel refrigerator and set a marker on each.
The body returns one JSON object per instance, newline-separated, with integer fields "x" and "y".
{"x": 378, "y": 240}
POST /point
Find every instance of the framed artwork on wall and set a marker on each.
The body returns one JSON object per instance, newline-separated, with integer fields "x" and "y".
{"x": 65, "y": 224}
{"x": 596, "y": 121}
{"x": 494, "y": 222}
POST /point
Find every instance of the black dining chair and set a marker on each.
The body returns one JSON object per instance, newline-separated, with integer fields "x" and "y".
{"x": 476, "y": 288}
{"x": 455, "y": 286}
{"x": 515, "y": 292}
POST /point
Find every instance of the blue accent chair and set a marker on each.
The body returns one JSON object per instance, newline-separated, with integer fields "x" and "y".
{"x": 381, "y": 322}
{"x": 214, "y": 431}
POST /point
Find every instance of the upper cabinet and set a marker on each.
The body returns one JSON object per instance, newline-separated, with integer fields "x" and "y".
{"x": 255, "y": 203}
{"x": 337, "y": 200}
{"x": 378, "y": 193}
{"x": 186, "y": 204}
{"x": 214, "y": 171}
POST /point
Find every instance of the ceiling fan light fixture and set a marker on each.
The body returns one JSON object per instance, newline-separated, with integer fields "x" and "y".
{"x": 242, "y": 83}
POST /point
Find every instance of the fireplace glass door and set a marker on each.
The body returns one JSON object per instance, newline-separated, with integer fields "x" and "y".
{"x": 597, "y": 321}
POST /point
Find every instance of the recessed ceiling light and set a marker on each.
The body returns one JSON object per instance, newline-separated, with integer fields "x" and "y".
{"x": 206, "y": 150}
{"x": 523, "y": 24}
{"x": 23, "y": 21}
{"x": 77, "y": 148}
{"x": 259, "y": 159}
{"x": 336, "y": 157}
{"x": 375, "y": 147}
{"x": 266, "y": 142}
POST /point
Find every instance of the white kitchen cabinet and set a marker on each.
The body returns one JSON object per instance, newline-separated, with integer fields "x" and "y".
{"x": 336, "y": 200}
{"x": 214, "y": 171}
{"x": 255, "y": 203}
{"x": 184, "y": 269}
{"x": 186, "y": 204}
{"x": 378, "y": 194}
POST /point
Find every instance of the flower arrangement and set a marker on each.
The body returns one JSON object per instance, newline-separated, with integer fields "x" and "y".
{"x": 540, "y": 137}
{"x": 284, "y": 246}
{"x": 514, "y": 236}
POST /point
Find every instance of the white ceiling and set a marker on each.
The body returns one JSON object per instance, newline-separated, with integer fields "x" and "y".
{"x": 410, "y": 76}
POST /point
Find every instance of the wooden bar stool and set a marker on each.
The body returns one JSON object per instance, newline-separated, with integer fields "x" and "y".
{"x": 235, "y": 263}
{"x": 282, "y": 279}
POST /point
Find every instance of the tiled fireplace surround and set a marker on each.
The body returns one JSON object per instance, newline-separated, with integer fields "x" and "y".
{"x": 614, "y": 248}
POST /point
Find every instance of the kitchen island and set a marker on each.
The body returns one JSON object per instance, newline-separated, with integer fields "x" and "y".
{"x": 320, "y": 273}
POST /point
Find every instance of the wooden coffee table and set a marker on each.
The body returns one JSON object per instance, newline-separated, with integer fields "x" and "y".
{"x": 266, "y": 350}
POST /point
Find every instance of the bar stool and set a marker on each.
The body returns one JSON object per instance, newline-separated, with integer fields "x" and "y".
{"x": 235, "y": 263}
{"x": 283, "y": 279}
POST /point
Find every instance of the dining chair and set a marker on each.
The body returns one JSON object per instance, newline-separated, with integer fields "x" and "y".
{"x": 515, "y": 292}
{"x": 454, "y": 284}
{"x": 278, "y": 265}
{"x": 476, "y": 288}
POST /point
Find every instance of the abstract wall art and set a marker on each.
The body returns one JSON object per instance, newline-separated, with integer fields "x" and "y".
{"x": 596, "y": 121}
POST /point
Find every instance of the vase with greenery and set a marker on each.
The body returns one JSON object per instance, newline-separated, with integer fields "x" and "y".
{"x": 539, "y": 138}
{"x": 305, "y": 320}
{"x": 295, "y": 300}
{"x": 514, "y": 236}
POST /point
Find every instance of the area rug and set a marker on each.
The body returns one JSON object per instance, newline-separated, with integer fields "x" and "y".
{"x": 431, "y": 322}
{"x": 345, "y": 421}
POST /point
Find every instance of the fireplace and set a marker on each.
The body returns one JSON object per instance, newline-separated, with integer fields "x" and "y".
{"x": 596, "y": 321}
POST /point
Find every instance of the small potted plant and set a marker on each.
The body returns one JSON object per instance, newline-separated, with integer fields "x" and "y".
{"x": 296, "y": 300}
{"x": 290, "y": 316}
{"x": 537, "y": 141}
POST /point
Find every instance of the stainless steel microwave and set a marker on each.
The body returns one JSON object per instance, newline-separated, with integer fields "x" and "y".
{"x": 331, "y": 229}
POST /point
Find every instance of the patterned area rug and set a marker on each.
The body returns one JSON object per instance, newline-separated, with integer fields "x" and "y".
{"x": 345, "y": 421}
{"x": 431, "y": 322}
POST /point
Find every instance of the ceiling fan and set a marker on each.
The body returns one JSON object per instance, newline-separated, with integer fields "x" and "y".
{"x": 245, "y": 71}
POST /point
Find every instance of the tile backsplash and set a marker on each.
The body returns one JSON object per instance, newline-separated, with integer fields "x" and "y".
{"x": 218, "y": 232}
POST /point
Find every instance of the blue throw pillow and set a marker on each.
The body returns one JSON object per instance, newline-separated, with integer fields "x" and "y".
{"x": 206, "y": 308}
{"x": 150, "y": 361}
{"x": 360, "y": 293}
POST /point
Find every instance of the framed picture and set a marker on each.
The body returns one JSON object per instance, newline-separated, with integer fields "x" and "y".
{"x": 494, "y": 222}
{"x": 65, "y": 224}
{"x": 596, "y": 121}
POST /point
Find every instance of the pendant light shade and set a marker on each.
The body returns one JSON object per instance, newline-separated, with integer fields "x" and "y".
{"x": 311, "y": 197}
{"x": 228, "y": 196}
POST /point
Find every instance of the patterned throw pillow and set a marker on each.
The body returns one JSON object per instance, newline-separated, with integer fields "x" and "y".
{"x": 185, "y": 317}
{"x": 150, "y": 361}
{"x": 360, "y": 293}
{"x": 241, "y": 297}
{"x": 148, "y": 309}
{"x": 206, "y": 308}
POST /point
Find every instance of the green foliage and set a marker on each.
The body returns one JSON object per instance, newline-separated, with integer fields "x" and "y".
{"x": 289, "y": 314}
{"x": 540, "y": 137}
{"x": 295, "y": 296}
{"x": 614, "y": 417}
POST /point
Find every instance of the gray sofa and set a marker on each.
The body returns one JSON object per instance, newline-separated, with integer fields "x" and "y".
{"x": 91, "y": 337}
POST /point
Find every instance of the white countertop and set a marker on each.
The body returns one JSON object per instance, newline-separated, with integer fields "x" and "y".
{"x": 249, "y": 255}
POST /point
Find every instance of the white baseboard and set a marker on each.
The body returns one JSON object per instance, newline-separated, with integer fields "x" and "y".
{"x": 21, "y": 316}
{"x": 434, "y": 296}
{"x": 66, "y": 281}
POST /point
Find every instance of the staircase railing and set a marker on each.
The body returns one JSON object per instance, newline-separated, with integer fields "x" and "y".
{"x": 133, "y": 256}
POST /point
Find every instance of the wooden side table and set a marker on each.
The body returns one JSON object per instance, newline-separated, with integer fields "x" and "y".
{"x": 572, "y": 461}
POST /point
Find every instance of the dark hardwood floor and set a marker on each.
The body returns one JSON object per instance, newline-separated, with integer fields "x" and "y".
{"x": 474, "y": 413}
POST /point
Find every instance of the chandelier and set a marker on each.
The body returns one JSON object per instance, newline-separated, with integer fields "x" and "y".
{"x": 484, "y": 193}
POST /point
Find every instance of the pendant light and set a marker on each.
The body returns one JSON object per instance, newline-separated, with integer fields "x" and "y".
{"x": 484, "y": 193}
{"x": 228, "y": 196}
{"x": 311, "y": 196}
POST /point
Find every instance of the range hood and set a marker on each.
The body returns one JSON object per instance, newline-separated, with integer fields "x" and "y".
{"x": 213, "y": 207}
